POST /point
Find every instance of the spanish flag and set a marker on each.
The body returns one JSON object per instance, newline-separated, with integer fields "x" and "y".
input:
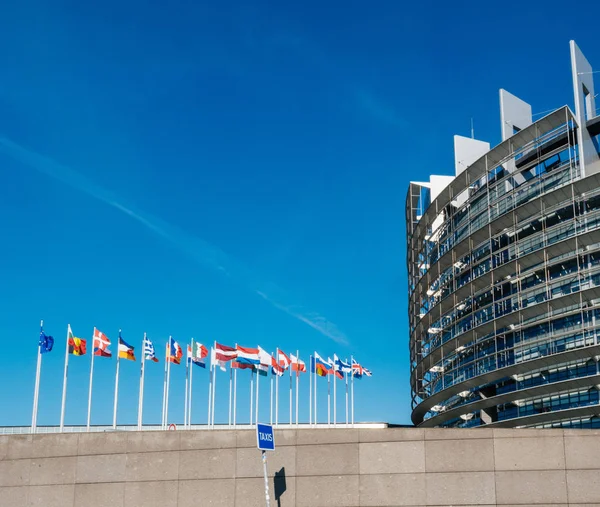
{"x": 174, "y": 351}
{"x": 125, "y": 350}
{"x": 76, "y": 345}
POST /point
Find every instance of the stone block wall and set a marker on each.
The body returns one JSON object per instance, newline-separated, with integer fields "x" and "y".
{"x": 311, "y": 467}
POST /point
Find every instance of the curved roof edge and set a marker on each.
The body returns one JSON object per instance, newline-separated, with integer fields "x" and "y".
{"x": 489, "y": 160}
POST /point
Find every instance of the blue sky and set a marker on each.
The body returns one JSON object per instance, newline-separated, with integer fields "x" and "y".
{"x": 237, "y": 171}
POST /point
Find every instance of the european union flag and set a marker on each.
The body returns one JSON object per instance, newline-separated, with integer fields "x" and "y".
{"x": 46, "y": 343}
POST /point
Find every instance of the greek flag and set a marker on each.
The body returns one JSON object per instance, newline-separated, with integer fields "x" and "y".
{"x": 340, "y": 365}
{"x": 149, "y": 351}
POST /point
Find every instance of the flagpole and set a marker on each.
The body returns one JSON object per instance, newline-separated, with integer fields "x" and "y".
{"x": 210, "y": 386}
{"x": 329, "y": 399}
{"x": 271, "y": 387}
{"x": 64, "y": 391}
{"x": 214, "y": 386}
{"x": 352, "y": 387}
{"x": 36, "y": 391}
{"x": 91, "y": 380}
{"x": 346, "y": 379}
{"x": 271, "y": 401}
{"x": 141, "y": 395}
{"x": 214, "y": 395}
{"x": 230, "y": 392}
{"x": 334, "y": 397}
{"x": 191, "y": 381}
{"x": 116, "y": 385}
{"x": 251, "y": 395}
{"x": 310, "y": 392}
{"x": 291, "y": 415}
{"x": 168, "y": 386}
{"x": 315, "y": 386}
{"x": 297, "y": 383}
{"x": 235, "y": 370}
{"x": 256, "y": 404}
{"x": 235, "y": 397}
{"x": 167, "y": 351}
{"x": 277, "y": 395}
{"x": 188, "y": 360}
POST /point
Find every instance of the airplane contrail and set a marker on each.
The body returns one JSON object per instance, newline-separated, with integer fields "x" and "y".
{"x": 200, "y": 250}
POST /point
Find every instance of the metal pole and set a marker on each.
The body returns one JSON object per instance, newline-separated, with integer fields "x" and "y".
{"x": 165, "y": 386}
{"x": 297, "y": 384}
{"x": 214, "y": 395}
{"x": 168, "y": 389}
{"x": 190, "y": 395}
{"x": 36, "y": 392}
{"x": 329, "y": 399}
{"x": 211, "y": 421}
{"x": 89, "y": 414}
{"x": 141, "y": 394}
{"x": 277, "y": 399}
{"x": 334, "y": 399}
{"x": 267, "y": 497}
{"x": 290, "y": 368}
{"x": 234, "y": 396}
{"x": 251, "y": 396}
{"x": 352, "y": 389}
{"x": 315, "y": 386}
{"x": 64, "y": 391}
{"x": 256, "y": 403}
{"x": 310, "y": 392}
{"x": 114, "y": 425}
{"x": 188, "y": 360}
{"x": 210, "y": 386}
{"x": 271, "y": 401}
{"x": 230, "y": 392}
{"x": 346, "y": 378}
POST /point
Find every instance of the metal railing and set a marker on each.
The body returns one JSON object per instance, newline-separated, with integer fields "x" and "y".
{"x": 26, "y": 430}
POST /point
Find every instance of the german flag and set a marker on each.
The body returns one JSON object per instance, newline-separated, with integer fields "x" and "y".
{"x": 76, "y": 345}
{"x": 125, "y": 350}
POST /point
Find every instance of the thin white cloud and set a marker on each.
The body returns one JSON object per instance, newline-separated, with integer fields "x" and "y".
{"x": 377, "y": 109}
{"x": 202, "y": 251}
{"x": 351, "y": 88}
{"x": 314, "y": 320}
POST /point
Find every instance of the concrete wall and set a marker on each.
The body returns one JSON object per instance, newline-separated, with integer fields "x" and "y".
{"x": 366, "y": 467}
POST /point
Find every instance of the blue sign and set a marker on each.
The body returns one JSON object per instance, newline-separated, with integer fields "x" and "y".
{"x": 265, "y": 439}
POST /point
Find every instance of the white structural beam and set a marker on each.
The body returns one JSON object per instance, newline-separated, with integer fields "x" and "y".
{"x": 515, "y": 114}
{"x": 438, "y": 183}
{"x": 585, "y": 109}
{"x": 467, "y": 151}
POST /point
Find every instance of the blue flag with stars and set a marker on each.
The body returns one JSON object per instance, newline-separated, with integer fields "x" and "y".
{"x": 46, "y": 343}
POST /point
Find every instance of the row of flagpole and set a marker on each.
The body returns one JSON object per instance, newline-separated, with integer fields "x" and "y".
{"x": 238, "y": 358}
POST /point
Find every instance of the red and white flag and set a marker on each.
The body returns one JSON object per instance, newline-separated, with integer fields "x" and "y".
{"x": 283, "y": 359}
{"x": 101, "y": 344}
{"x": 217, "y": 362}
{"x": 225, "y": 353}
{"x": 297, "y": 364}
{"x": 276, "y": 368}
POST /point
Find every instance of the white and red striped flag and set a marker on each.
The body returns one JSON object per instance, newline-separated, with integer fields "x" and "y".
{"x": 276, "y": 368}
{"x": 297, "y": 364}
{"x": 224, "y": 353}
{"x": 283, "y": 360}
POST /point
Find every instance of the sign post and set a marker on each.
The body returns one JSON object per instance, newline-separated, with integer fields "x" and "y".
{"x": 265, "y": 441}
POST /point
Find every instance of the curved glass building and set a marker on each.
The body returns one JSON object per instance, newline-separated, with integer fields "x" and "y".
{"x": 504, "y": 273}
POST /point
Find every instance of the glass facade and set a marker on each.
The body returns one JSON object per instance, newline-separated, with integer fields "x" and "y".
{"x": 504, "y": 286}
